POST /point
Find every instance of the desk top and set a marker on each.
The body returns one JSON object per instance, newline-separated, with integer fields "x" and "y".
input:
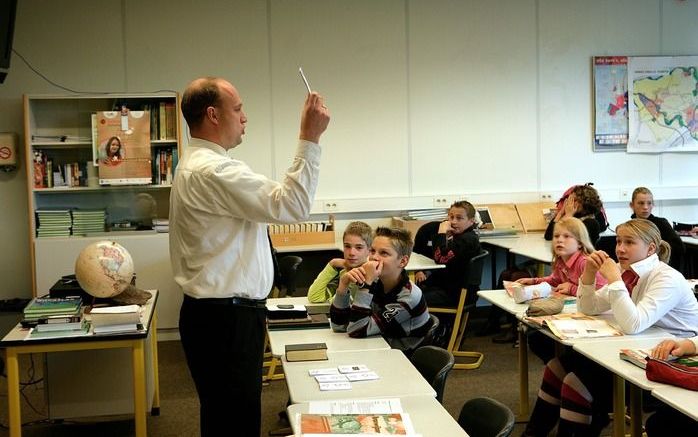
{"x": 18, "y": 335}
{"x": 335, "y": 341}
{"x": 421, "y": 262}
{"x": 532, "y": 245}
{"x": 683, "y": 400}
{"x": 606, "y": 353}
{"x": 693, "y": 241}
{"x": 428, "y": 416}
{"x": 398, "y": 377}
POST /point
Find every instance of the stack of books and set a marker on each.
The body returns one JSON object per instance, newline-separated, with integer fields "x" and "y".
{"x": 88, "y": 221}
{"x": 55, "y": 317}
{"x": 53, "y": 223}
{"x": 116, "y": 319}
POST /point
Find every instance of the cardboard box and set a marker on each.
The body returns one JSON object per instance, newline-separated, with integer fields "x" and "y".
{"x": 302, "y": 238}
{"x": 411, "y": 225}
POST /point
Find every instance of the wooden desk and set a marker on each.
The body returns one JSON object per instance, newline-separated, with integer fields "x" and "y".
{"x": 398, "y": 377}
{"x": 428, "y": 416}
{"x": 15, "y": 344}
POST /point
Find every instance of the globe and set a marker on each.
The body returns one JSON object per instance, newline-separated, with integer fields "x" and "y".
{"x": 104, "y": 269}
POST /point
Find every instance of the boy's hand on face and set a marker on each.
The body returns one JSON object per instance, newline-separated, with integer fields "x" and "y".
{"x": 445, "y": 227}
{"x": 372, "y": 270}
{"x": 353, "y": 276}
{"x": 338, "y": 263}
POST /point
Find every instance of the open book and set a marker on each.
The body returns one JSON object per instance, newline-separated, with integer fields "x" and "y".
{"x": 575, "y": 325}
{"x": 327, "y": 425}
{"x": 638, "y": 357}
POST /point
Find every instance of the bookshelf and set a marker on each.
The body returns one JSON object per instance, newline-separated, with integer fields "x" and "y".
{"x": 62, "y": 175}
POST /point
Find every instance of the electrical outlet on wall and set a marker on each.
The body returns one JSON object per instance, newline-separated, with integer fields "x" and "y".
{"x": 441, "y": 202}
{"x": 546, "y": 197}
{"x": 329, "y": 206}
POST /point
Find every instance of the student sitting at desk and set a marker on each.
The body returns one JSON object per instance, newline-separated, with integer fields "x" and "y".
{"x": 583, "y": 202}
{"x": 667, "y": 420}
{"x": 386, "y": 303}
{"x": 570, "y": 247}
{"x": 642, "y": 204}
{"x": 452, "y": 242}
{"x": 357, "y": 241}
{"x": 642, "y": 291}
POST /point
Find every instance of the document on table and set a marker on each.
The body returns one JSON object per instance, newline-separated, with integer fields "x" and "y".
{"x": 357, "y": 406}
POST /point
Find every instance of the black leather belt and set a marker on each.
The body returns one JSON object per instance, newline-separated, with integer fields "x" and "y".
{"x": 230, "y": 301}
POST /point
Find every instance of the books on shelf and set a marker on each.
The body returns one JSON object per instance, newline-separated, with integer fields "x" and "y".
{"x": 59, "y": 323}
{"x": 575, "y": 325}
{"x": 638, "y": 357}
{"x": 306, "y": 352}
{"x": 87, "y": 221}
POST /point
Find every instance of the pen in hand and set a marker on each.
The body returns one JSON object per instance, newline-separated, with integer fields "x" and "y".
{"x": 305, "y": 80}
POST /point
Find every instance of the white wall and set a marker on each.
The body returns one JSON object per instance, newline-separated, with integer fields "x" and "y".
{"x": 478, "y": 98}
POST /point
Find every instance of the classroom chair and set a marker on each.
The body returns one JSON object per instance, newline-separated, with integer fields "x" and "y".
{"x": 288, "y": 269}
{"x": 434, "y": 364}
{"x": 473, "y": 277}
{"x": 486, "y": 417}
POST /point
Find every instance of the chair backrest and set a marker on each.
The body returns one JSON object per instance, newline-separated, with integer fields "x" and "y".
{"x": 473, "y": 276}
{"x": 434, "y": 363}
{"x": 288, "y": 269}
{"x": 486, "y": 417}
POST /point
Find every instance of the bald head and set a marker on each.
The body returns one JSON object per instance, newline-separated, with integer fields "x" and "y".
{"x": 199, "y": 95}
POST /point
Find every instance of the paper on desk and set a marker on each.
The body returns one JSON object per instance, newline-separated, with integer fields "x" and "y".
{"x": 361, "y": 376}
{"x": 331, "y": 378}
{"x": 329, "y": 386}
{"x": 357, "y": 406}
{"x": 326, "y": 371}
{"x": 353, "y": 368}
{"x": 116, "y": 309}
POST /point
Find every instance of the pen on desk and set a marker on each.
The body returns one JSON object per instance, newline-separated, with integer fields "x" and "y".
{"x": 305, "y": 80}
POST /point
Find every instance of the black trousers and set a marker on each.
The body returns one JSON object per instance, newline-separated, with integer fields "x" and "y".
{"x": 224, "y": 348}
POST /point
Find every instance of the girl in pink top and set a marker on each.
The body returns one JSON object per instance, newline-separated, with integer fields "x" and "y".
{"x": 570, "y": 245}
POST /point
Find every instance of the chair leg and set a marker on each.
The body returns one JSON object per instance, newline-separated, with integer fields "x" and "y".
{"x": 271, "y": 362}
{"x": 479, "y": 356}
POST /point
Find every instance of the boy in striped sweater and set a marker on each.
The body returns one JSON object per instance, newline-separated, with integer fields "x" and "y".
{"x": 386, "y": 302}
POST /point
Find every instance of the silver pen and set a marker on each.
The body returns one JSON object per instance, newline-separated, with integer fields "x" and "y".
{"x": 305, "y": 81}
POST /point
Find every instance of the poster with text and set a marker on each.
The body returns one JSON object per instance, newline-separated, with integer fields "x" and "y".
{"x": 610, "y": 103}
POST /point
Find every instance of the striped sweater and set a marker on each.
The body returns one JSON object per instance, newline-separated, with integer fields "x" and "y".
{"x": 399, "y": 315}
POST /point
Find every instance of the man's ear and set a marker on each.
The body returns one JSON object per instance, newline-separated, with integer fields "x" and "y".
{"x": 212, "y": 115}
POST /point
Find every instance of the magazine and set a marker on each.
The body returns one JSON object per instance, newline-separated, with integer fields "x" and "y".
{"x": 326, "y": 425}
{"x": 638, "y": 357}
{"x": 575, "y": 325}
{"x": 123, "y": 142}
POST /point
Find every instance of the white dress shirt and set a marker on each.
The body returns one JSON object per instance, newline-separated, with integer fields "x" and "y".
{"x": 219, "y": 210}
{"x": 661, "y": 297}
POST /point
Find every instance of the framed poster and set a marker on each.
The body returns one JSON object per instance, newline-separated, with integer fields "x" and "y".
{"x": 123, "y": 139}
{"x": 610, "y": 76}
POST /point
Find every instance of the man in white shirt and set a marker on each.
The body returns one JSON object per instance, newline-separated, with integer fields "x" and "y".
{"x": 220, "y": 251}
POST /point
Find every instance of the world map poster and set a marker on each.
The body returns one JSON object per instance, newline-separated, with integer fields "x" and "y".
{"x": 610, "y": 103}
{"x": 663, "y": 94}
